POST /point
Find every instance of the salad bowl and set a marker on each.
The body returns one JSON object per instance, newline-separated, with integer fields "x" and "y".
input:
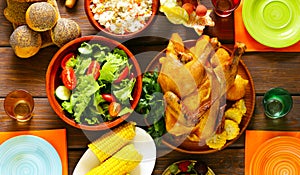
{"x": 130, "y": 17}
{"x": 79, "y": 100}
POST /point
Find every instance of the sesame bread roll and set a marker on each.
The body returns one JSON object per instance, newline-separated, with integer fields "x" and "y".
{"x": 64, "y": 31}
{"x": 25, "y": 42}
{"x": 41, "y": 16}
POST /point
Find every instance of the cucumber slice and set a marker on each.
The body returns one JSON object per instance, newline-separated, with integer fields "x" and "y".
{"x": 62, "y": 93}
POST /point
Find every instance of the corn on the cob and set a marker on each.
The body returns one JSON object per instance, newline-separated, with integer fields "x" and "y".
{"x": 111, "y": 142}
{"x": 120, "y": 163}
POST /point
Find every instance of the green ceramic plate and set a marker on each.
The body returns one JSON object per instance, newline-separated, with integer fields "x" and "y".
{"x": 274, "y": 23}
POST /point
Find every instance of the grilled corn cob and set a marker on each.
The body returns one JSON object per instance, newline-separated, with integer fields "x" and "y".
{"x": 111, "y": 142}
{"x": 120, "y": 163}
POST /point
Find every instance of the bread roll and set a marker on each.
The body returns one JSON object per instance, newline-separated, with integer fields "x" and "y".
{"x": 25, "y": 42}
{"x": 64, "y": 31}
{"x": 41, "y": 16}
{"x": 15, "y": 12}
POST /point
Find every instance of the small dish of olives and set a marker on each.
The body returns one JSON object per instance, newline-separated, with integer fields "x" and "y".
{"x": 191, "y": 167}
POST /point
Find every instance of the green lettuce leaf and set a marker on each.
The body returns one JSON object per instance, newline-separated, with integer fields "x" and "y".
{"x": 115, "y": 62}
{"x": 81, "y": 96}
{"x": 82, "y": 65}
{"x": 71, "y": 62}
{"x": 123, "y": 92}
{"x": 92, "y": 120}
{"x": 85, "y": 48}
{"x": 125, "y": 111}
{"x": 66, "y": 105}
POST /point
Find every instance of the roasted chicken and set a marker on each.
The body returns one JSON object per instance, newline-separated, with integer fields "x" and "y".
{"x": 194, "y": 82}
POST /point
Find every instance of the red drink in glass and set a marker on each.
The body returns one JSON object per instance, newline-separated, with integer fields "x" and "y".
{"x": 224, "y": 8}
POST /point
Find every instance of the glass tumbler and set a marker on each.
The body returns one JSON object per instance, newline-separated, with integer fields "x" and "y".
{"x": 19, "y": 105}
{"x": 224, "y": 8}
{"x": 277, "y": 102}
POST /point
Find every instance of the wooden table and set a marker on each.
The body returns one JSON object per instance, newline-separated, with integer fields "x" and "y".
{"x": 268, "y": 69}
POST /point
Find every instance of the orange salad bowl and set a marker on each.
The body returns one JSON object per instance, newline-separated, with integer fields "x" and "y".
{"x": 54, "y": 79}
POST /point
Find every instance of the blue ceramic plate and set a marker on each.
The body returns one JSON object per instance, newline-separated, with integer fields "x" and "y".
{"x": 274, "y": 23}
{"x": 29, "y": 155}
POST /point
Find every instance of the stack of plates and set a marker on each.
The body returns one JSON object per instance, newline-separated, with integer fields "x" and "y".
{"x": 273, "y": 23}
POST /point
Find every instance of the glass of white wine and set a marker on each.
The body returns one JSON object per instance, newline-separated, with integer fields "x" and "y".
{"x": 19, "y": 105}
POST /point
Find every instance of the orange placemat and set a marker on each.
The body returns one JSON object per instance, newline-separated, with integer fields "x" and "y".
{"x": 255, "y": 138}
{"x": 242, "y": 35}
{"x": 56, "y": 137}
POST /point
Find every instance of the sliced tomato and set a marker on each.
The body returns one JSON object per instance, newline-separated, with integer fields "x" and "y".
{"x": 94, "y": 68}
{"x": 66, "y": 59}
{"x": 69, "y": 78}
{"x": 122, "y": 75}
{"x": 114, "y": 109}
{"x": 108, "y": 97}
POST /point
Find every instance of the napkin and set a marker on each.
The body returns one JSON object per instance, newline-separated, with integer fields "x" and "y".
{"x": 256, "y": 138}
{"x": 242, "y": 35}
{"x": 56, "y": 137}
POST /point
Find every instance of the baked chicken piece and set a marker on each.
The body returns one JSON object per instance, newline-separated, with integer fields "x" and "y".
{"x": 181, "y": 65}
{"x": 194, "y": 82}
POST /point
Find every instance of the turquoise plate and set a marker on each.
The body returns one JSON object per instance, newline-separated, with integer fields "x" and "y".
{"x": 29, "y": 155}
{"x": 273, "y": 23}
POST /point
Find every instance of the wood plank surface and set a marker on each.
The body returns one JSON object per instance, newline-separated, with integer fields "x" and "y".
{"x": 268, "y": 69}
{"x": 45, "y": 118}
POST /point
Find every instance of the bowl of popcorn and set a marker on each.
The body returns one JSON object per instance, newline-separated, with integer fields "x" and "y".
{"x": 121, "y": 18}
